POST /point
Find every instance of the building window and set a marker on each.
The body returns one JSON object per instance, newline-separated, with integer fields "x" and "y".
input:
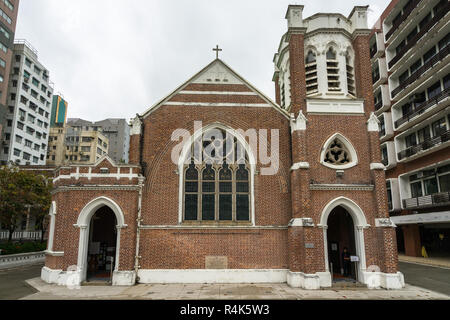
{"x": 333, "y": 70}
{"x": 338, "y": 153}
{"x": 350, "y": 75}
{"x": 218, "y": 188}
{"x": 311, "y": 73}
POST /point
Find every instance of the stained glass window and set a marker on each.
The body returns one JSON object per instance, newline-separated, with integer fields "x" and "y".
{"x": 217, "y": 179}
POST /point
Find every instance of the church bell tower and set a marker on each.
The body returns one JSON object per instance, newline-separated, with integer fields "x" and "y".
{"x": 323, "y": 79}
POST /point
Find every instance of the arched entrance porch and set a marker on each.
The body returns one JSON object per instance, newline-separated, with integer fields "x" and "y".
{"x": 346, "y": 222}
{"x": 108, "y": 211}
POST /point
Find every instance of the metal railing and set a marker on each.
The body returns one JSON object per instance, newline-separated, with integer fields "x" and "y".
{"x": 406, "y": 12}
{"x": 373, "y": 50}
{"x": 425, "y": 145}
{"x": 376, "y": 77}
{"x": 21, "y": 235}
{"x": 437, "y": 199}
{"x": 419, "y": 72}
{"x": 421, "y": 108}
{"x": 378, "y": 105}
{"x": 427, "y": 27}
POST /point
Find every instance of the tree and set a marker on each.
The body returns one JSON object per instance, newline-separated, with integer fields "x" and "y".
{"x": 22, "y": 192}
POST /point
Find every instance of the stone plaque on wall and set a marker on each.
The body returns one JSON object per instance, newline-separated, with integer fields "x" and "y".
{"x": 216, "y": 262}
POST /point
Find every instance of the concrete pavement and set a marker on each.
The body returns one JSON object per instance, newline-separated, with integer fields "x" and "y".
{"x": 424, "y": 283}
{"x": 223, "y": 292}
{"x": 12, "y": 281}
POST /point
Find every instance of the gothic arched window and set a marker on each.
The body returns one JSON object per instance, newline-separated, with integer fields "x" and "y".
{"x": 217, "y": 179}
{"x": 311, "y": 73}
{"x": 333, "y": 70}
{"x": 338, "y": 153}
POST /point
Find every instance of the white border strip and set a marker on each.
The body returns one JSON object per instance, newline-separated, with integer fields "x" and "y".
{"x": 213, "y": 276}
{"x": 207, "y": 104}
{"x": 225, "y": 93}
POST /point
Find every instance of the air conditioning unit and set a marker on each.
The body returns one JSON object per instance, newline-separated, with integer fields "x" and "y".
{"x": 26, "y": 79}
{"x": 420, "y": 175}
{"x": 22, "y": 118}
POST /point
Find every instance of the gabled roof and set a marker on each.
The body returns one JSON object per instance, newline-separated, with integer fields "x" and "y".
{"x": 216, "y": 66}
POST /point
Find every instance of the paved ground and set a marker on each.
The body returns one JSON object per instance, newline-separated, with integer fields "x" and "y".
{"x": 435, "y": 261}
{"x": 12, "y": 282}
{"x": 424, "y": 282}
{"x": 432, "y": 278}
{"x": 224, "y": 292}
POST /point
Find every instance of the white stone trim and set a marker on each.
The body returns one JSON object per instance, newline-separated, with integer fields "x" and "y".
{"x": 54, "y": 253}
{"x": 64, "y": 278}
{"x": 124, "y": 278}
{"x": 384, "y": 223}
{"x": 225, "y": 93}
{"x": 301, "y": 222}
{"x": 347, "y": 187}
{"x": 377, "y": 166}
{"x": 136, "y": 126}
{"x": 377, "y": 280}
{"x": 373, "y": 124}
{"x": 300, "y": 165}
{"x": 213, "y": 104}
{"x": 212, "y": 276}
{"x": 298, "y": 124}
{"x": 91, "y": 175}
{"x": 51, "y": 235}
{"x": 323, "y": 106}
{"x": 348, "y": 145}
{"x": 309, "y": 281}
{"x": 215, "y": 227}
{"x": 53, "y": 276}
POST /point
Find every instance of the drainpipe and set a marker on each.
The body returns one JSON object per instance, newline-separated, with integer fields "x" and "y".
{"x": 138, "y": 228}
{"x": 141, "y": 185}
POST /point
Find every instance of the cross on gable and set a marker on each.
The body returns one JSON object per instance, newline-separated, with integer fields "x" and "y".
{"x": 217, "y": 50}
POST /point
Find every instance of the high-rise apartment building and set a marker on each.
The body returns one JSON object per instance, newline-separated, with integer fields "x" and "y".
{"x": 410, "y": 69}
{"x": 29, "y": 107}
{"x": 8, "y": 19}
{"x": 118, "y": 133}
{"x": 59, "y": 111}
{"x": 78, "y": 142}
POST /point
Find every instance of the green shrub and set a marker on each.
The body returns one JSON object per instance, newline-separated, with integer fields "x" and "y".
{"x": 18, "y": 247}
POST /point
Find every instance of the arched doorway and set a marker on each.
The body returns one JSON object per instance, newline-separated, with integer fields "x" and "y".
{"x": 102, "y": 246}
{"x": 84, "y": 224}
{"x": 341, "y": 245}
{"x": 354, "y": 221}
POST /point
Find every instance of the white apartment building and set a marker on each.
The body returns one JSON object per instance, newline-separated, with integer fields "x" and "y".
{"x": 30, "y": 93}
{"x": 410, "y": 47}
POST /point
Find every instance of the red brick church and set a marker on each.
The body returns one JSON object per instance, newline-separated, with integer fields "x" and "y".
{"x": 277, "y": 207}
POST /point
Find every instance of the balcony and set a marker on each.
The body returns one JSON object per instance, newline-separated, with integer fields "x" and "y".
{"x": 432, "y": 200}
{"x": 427, "y": 27}
{"x": 419, "y": 72}
{"x": 406, "y": 12}
{"x": 378, "y": 105}
{"x": 421, "y": 108}
{"x": 379, "y": 73}
{"x": 426, "y": 145}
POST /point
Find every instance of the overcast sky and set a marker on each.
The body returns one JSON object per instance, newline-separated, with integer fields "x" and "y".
{"x": 116, "y": 58}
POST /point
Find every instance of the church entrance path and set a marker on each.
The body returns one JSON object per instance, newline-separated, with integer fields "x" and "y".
{"x": 223, "y": 292}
